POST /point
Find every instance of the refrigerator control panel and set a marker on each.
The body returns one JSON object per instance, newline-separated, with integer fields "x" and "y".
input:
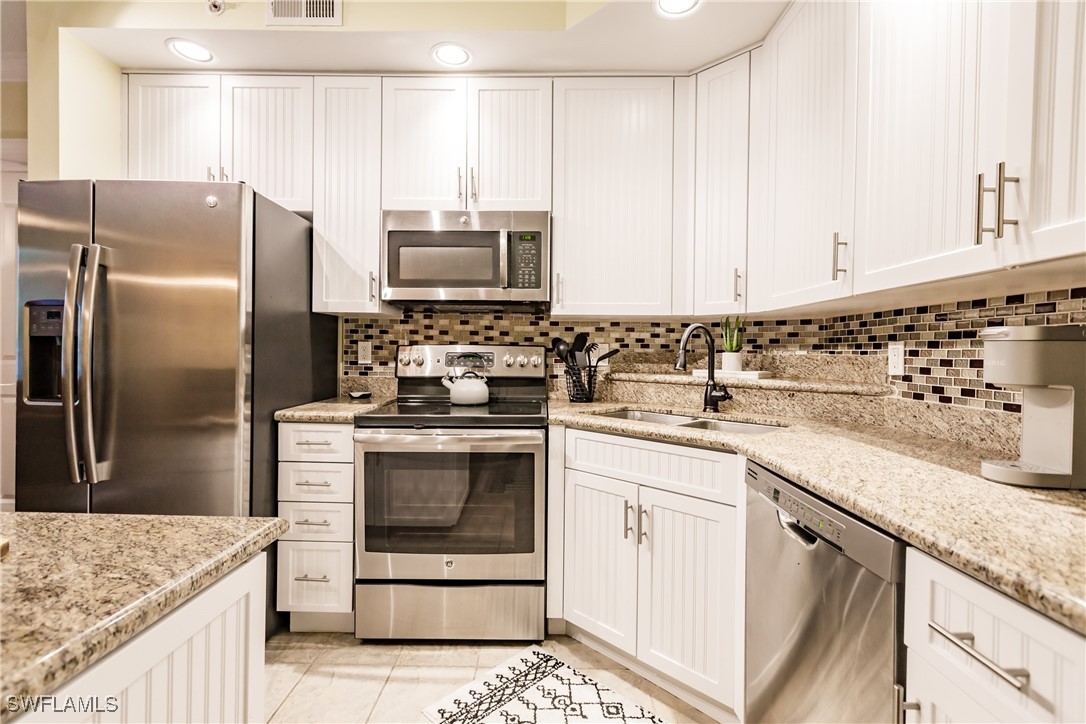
{"x": 45, "y": 319}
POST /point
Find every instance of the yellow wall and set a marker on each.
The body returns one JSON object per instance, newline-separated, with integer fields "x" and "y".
{"x": 89, "y": 112}
{"x": 13, "y": 110}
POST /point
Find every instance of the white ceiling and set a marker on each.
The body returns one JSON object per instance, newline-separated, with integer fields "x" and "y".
{"x": 622, "y": 37}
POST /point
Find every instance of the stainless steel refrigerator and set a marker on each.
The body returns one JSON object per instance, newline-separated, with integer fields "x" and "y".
{"x": 162, "y": 324}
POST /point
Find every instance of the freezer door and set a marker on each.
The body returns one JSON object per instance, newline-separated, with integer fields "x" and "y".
{"x": 168, "y": 377}
{"x": 53, "y": 216}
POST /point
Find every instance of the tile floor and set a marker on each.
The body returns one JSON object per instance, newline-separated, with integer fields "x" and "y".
{"x": 334, "y": 678}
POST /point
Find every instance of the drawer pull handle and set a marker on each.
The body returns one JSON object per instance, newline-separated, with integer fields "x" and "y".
{"x": 308, "y": 484}
{"x": 313, "y": 442}
{"x": 322, "y": 579}
{"x": 307, "y": 521}
{"x": 1018, "y": 678}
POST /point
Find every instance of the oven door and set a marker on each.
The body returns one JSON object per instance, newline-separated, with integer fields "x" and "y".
{"x": 449, "y": 504}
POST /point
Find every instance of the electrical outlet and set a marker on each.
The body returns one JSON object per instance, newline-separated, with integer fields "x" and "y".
{"x": 365, "y": 353}
{"x": 604, "y": 349}
{"x": 896, "y": 363}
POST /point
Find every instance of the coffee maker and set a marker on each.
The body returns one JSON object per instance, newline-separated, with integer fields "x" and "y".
{"x": 1049, "y": 364}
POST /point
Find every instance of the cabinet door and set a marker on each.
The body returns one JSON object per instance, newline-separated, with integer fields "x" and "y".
{"x": 612, "y": 196}
{"x": 601, "y": 558}
{"x": 1053, "y": 187}
{"x": 347, "y": 195}
{"x": 423, "y": 143}
{"x": 267, "y": 136}
{"x": 928, "y": 81}
{"x": 803, "y": 251}
{"x": 509, "y": 144}
{"x": 720, "y": 221}
{"x": 940, "y": 699}
{"x": 685, "y": 591}
{"x": 173, "y": 127}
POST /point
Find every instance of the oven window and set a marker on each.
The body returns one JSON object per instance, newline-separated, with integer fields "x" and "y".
{"x": 444, "y": 259}
{"x": 463, "y": 503}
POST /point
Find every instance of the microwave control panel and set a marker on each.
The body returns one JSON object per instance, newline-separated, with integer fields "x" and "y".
{"x": 526, "y": 268}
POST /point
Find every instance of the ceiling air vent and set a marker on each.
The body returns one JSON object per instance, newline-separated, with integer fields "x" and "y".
{"x": 304, "y": 12}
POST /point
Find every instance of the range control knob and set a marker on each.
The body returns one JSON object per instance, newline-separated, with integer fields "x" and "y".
{"x": 418, "y": 360}
{"x": 405, "y": 360}
{"x": 522, "y": 361}
{"x": 507, "y": 360}
{"x": 536, "y": 360}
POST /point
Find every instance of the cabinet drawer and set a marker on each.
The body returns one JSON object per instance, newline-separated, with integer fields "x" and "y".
{"x": 981, "y": 640}
{"x": 304, "y": 442}
{"x": 315, "y": 576}
{"x": 323, "y": 482}
{"x": 318, "y": 521}
{"x": 939, "y": 698}
{"x": 691, "y": 471}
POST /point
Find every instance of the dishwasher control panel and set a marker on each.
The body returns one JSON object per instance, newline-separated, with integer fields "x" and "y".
{"x": 810, "y": 518}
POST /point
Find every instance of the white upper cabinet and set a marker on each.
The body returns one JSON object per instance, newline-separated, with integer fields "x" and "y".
{"x": 800, "y": 249}
{"x": 173, "y": 127}
{"x": 509, "y": 144}
{"x": 720, "y": 222}
{"x": 451, "y": 143}
{"x": 1052, "y": 194}
{"x": 347, "y": 195}
{"x": 267, "y": 136}
{"x": 933, "y": 89}
{"x": 612, "y": 196}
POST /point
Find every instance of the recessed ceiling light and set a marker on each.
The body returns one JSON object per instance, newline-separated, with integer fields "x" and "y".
{"x": 189, "y": 50}
{"x": 450, "y": 54}
{"x": 673, "y": 8}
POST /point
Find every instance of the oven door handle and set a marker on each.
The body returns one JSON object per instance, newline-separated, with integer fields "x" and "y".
{"x": 427, "y": 439}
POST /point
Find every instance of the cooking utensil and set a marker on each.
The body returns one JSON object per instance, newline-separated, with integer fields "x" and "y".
{"x": 602, "y": 357}
{"x": 579, "y": 342}
{"x": 561, "y": 348}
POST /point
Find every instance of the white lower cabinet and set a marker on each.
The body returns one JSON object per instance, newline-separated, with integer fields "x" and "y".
{"x": 315, "y": 576}
{"x": 652, "y": 572}
{"x": 976, "y": 655}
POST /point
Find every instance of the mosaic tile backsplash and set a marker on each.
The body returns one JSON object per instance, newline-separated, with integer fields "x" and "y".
{"x": 944, "y": 360}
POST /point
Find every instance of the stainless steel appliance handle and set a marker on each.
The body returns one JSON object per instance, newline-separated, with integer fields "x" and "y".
{"x": 307, "y": 521}
{"x": 1018, "y": 678}
{"x": 503, "y": 258}
{"x": 626, "y": 527}
{"x": 428, "y": 439}
{"x": 95, "y": 262}
{"x": 1002, "y": 179}
{"x": 308, "y": 484}
{"x": 67, "y": 360}
{"x": 796, "y": 531}
{"x": 322, "y": 579}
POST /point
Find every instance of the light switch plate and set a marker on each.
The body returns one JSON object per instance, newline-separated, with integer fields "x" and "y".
{"x": 896, "y": 361}
{"x": 365, "y": 353}
{"x": 604, "y": 349}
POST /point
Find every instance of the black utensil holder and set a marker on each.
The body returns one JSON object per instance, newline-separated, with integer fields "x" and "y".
{"x": 581, "y": 384}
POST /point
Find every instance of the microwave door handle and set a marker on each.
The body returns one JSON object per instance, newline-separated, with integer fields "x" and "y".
{"x": 69, "y": 329}
{"x": 97, "y": 257}
{"x": 503, "y": 258}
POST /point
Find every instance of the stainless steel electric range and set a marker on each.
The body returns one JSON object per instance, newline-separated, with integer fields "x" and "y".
{"x": 449, "y": 510}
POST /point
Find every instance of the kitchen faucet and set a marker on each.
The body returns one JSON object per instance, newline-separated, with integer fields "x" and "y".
{"x": 713, "y": 395}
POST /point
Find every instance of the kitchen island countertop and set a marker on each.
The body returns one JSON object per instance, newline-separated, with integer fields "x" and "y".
{"x": 74, "y": 587}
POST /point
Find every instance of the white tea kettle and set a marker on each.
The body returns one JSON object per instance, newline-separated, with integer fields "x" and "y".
{"x": 469, "y": 388}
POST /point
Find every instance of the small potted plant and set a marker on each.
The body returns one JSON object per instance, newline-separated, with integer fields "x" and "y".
{"x": 732, "y": 332}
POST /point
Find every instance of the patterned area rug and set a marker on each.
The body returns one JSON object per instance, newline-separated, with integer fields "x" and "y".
{"x": 531, "y": 687}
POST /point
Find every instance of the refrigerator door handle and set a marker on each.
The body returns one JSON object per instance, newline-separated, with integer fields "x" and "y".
{"x": 97, "y": 257}
{"x": 67, "y": 361}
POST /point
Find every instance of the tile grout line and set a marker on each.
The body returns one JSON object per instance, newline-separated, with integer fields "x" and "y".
{"x": 308, "y": 666}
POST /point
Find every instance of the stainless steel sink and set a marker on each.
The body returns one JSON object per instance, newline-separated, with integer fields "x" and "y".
{"x": 739, "y": 428}
{"x": 660, "y": 418}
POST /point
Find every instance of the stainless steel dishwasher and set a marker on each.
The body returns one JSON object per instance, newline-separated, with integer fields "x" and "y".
{"x": 823, "y": 610}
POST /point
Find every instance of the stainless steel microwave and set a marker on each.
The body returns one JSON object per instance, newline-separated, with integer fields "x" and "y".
{"x": 446, "y": 258}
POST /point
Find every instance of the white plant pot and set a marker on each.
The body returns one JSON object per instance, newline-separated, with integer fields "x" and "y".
{"x": 731, "y": 362}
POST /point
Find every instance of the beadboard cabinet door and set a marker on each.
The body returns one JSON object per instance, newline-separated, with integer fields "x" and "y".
{"x": 800, "y": 251}
{"x": 347, "y": 195}
{"x": 685, "y": 603}
{"x": 720, "y": 215}
{"x": 423, "y": 138}
{"x": 1052, "y": 191}
{"x": 267, "y": 136}
{"x": 613, "y": 152}
{"x": 173, "y": 127}
{"x": 509, "y": 144}
{"x": 601, "y": 554}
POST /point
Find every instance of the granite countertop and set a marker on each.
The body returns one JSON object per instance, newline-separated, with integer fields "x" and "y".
{"x": 780, "y": 384}
{"x": 74, "y": 587}
{"x": 1027, "y": 543}
{"x": 333, "y": 410}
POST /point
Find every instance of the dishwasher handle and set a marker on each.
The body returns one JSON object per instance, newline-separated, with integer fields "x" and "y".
{"x": 791, "y": 526}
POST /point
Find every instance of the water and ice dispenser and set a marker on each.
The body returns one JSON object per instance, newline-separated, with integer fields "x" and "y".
{"x": 42, "y": 351}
